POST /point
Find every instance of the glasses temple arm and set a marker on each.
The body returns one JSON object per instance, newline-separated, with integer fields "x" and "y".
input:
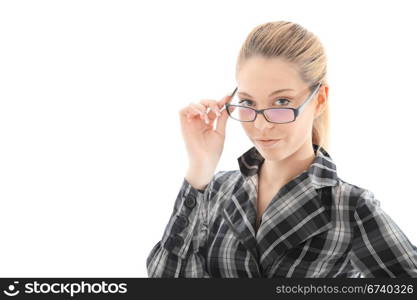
{"x": 302, "y": 106}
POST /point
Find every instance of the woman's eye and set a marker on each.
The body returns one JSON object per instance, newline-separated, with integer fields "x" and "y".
{"x": 288, "y": 101}
{"x": 244, "y": 100}
{"x": 280, "y": 101}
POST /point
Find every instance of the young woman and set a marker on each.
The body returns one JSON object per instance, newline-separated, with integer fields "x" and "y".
{"x": 285, "y": 212}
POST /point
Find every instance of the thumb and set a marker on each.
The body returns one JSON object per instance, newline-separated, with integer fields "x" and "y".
{"x": 221, "y": 122}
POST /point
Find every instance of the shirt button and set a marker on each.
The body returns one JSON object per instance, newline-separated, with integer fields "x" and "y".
{"x": 182, "y": 221}
{"x": 169, "y": 243}
{"x": 173, "y": 241}
{"x": 190, "y": 202}
{"x": 178, "y": 240}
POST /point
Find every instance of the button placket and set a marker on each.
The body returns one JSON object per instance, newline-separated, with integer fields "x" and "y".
{"x": 180, "y": 238}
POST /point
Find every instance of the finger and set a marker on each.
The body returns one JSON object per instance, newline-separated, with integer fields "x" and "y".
{"x": 203, "y": 117}
{"x": 192, "y": 113}
{"x": 205, "y": 107}
{"x": 189, "y": 112}
{"x": 202, "y": 110}
{"x": 213, "y": 107}
{"x": 199, "y": 107}
{"x": 221, "y": 122}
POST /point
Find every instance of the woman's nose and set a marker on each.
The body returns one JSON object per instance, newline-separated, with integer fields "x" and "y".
{"x": 260, "y": 122}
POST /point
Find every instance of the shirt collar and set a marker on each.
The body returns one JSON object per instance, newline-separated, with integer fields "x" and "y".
{"x": 322, "y": 171}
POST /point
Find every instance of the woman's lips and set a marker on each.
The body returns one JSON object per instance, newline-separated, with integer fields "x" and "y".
{"x": 267, "y": 143}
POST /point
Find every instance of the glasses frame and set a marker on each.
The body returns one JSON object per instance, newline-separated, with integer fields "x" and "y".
{"x": 297, "y": 111}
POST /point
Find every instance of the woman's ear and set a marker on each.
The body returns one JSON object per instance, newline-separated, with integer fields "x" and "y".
{"x": 321, "y": 103}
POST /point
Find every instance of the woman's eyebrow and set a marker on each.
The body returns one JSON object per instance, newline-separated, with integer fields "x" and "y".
{"x": 273, "y": 93}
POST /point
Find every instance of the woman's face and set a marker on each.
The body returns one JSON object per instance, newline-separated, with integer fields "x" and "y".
{"x": 259, "y": 77}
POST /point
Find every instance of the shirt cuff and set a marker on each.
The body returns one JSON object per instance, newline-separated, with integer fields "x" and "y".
{"x": 186, "y": 217}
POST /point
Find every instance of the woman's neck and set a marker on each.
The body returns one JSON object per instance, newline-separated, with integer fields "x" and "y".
{"x": 278, "y": 173}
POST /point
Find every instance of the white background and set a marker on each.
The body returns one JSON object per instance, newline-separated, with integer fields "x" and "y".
{"x": 91, "y": 153}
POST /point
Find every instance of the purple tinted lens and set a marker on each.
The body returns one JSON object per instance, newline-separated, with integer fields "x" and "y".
{"x": 280, "y": 115}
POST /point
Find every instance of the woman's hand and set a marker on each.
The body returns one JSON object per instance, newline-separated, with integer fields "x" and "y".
{"x": 204, "y": 143}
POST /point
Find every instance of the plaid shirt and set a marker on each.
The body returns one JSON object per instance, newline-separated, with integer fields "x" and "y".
{"x": 317, "y": 225}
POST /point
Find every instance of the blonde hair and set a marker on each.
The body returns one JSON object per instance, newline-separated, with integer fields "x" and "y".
{"x": 295, "y": 44}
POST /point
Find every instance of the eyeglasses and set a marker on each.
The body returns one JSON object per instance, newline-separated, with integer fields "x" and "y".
{"x": 274, "y": 115}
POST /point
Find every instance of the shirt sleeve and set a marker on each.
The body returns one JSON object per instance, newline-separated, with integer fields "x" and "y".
{"x": 379, "y": 247}
{"x": 180, "y": 252}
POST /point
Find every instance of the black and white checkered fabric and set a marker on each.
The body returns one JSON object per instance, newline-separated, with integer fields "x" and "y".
{"x": 317, "y": 225}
